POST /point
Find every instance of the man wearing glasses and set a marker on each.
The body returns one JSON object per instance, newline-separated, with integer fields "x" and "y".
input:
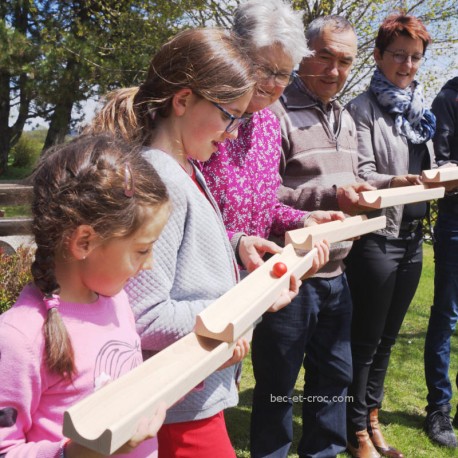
{"x": 319, "y": 171}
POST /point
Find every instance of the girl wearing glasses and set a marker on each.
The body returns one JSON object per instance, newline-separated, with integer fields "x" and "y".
{"x": 394, "y": 128}
{"x": 197, "y": 89}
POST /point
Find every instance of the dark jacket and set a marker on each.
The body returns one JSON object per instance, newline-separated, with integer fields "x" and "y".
{"x": 445, "y": 107}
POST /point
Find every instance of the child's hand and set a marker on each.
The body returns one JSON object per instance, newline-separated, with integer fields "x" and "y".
{"x": 147, "y": 429}
{"x": 286, "y": 295}
{"x": 242, "y": 347}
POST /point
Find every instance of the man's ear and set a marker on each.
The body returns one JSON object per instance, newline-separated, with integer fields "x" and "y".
{"x": 181, "y": 100}
{"x": 82, "y": 241}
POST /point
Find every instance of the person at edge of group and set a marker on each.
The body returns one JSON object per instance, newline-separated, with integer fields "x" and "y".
{"x": 98, "y": 208}
{"x": 195, "y": 94}
{"x": 444, "y": 312}
{"x": 383, "y": 269}
{"x": 319, "y": 172}
{"x": 243, "y": 175}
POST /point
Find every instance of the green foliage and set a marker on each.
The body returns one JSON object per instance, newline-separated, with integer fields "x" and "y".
{"x": 16, "y": 173}
{"x": 26, "y": 151}
{"x": 14, "y": 275}
{"x": 439, "y": 16}
{"x": 54, "y": 55}
{"x": 17, "y": 210}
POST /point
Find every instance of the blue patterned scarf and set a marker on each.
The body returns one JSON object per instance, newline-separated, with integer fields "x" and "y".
{"x": 411, "y": 117}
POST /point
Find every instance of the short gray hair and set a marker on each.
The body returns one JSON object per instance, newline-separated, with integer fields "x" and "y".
{"x": 337, "y": 23}
{"x": 268, "y": 22}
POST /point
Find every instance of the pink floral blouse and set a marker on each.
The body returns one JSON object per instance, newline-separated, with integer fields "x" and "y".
{"x": 243, "y": 178}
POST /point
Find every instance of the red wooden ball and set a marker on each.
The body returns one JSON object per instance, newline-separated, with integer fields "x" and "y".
{"x": 279, "y": 269}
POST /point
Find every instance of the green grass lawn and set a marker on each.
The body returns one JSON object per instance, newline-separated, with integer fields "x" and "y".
{"x": 405, "y": 391}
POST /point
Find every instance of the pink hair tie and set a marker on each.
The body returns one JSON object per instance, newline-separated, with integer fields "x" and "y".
{"x": 51, "y": 302}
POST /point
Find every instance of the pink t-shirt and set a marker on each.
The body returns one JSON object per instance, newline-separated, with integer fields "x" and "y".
{"x": 32, "y": 399}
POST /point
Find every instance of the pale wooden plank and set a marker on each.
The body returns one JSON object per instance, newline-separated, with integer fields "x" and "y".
{"x": 334, "y": 231}
{"x": 440, "y": 175}
{"x": 108, "y": 418}
{"x": 228, "y": 317}
{"x": 383, "y": 198}
{"x": 15, "y": 226}
{"x": 15, "y": 194}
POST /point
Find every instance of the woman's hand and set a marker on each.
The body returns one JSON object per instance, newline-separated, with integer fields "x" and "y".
{"x": 405, "y": 180}
{"x": 321, "y": 216}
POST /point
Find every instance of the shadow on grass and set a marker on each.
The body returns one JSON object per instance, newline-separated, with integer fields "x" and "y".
{"x": 398, "y": 417}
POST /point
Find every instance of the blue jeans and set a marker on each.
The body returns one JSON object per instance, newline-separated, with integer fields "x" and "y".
{"x": 316, "y": 324}
{"x": 444, "y": 312}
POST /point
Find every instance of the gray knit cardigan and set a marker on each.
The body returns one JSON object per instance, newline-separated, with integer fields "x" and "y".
{"x": 382, "y": 152}
{"x": 193, "y": 265}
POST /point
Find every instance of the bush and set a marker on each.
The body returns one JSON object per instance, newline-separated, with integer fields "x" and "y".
{"x": 14, "y": 275}
{"x": 26, "y": 151}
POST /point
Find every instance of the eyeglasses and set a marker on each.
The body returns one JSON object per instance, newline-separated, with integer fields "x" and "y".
{"x": 281, "y": 79}
{"x": 401, "y": 57}
{"x": 235, "y": 121}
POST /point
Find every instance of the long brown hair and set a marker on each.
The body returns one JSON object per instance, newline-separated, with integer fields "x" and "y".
{"x": 95, "y": 180}
{"x": 210, "y": 61}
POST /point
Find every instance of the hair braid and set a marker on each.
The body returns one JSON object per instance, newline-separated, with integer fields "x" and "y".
{"x": 84, "y": 182}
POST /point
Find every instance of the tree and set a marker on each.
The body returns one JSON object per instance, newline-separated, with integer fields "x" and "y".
{"x": 440, "y": 17}
{"x": 17, "y": 54}
{"x": 100, "y": 44}
{"x": 55, "y": 54}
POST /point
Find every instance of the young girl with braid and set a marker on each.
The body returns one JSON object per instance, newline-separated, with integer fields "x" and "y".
{"x": 98, "y": 208}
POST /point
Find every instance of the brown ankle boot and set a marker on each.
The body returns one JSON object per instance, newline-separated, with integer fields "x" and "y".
{"x": 375, "y": 433}
{"x": 365, "y": 448}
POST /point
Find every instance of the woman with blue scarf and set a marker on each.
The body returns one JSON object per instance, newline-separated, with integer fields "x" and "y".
{"x": 394, "y": 128}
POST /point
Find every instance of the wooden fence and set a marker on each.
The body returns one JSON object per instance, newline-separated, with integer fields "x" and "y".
{"x": 19, "y": 194}
{"x": 15, "y": 194}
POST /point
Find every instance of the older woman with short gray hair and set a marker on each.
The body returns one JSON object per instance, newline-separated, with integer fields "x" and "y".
{"x": 244, "y": 174}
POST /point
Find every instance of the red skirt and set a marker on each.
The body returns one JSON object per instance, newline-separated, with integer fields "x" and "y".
{"x": 207, "y": 438}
